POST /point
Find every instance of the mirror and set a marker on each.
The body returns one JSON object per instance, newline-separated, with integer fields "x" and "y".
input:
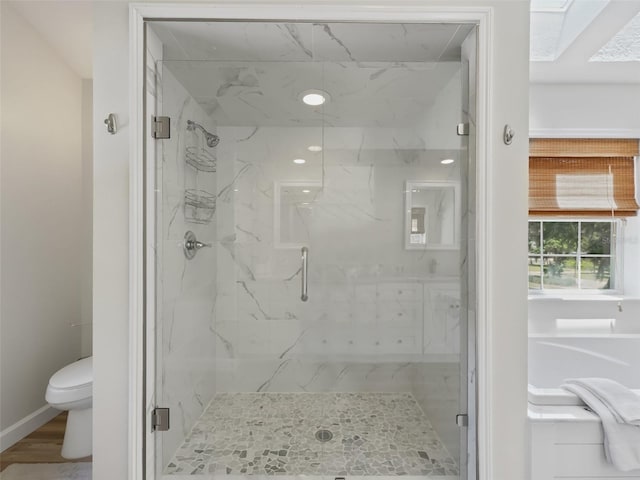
{"x": 293, "y": 208}
{"x": 432, "y": 215}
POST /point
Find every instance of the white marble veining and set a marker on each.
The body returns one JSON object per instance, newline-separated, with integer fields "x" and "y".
{"x": 380, "y": 318}
{"x": 253, "y": 41}
{"x": 372, "y": 94}
{"x": 186, "y": 289}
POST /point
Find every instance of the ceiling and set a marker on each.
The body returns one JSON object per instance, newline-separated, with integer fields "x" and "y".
{"x": 334, "y": 42}
{"x": 372, "y": 94}
{"x": 572, "y": 41}
{"x": 66, "y": 25}
{"x": 248, "y": 73}
{"x": 585, "y": 41}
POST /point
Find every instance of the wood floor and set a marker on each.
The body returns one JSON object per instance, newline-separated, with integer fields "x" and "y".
{"x": 41, "y": 446}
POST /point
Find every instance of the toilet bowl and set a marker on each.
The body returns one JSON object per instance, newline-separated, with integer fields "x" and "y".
{"x": 71, "y": 388}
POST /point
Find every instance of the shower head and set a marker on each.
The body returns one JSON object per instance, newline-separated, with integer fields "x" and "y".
{"x": 212, "y": 140}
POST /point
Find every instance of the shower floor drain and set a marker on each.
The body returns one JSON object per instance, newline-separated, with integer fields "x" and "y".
{"x": 324, "y": 435}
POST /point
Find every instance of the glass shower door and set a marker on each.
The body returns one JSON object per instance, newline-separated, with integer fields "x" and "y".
{"x": 309, "y": 298}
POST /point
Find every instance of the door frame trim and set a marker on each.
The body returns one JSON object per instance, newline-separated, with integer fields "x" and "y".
{"x": 141, "y": 249}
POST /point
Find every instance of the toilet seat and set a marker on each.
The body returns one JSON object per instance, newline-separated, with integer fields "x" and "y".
{"x": 72, "y": 386}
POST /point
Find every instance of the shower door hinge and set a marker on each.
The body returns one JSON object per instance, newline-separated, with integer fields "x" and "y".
{"x": 160, "y": 419}
{"x": 462, "y": 420}
{"x": 462, "y": 129}
{"x": 161, "y": 127}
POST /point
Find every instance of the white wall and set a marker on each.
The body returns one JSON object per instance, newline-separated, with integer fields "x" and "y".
{"x": 591, "y": 109}
{"x": 507, "y": 189}
{"x": 507, "y": 220}
{"x": 110, "y": 242}
{"x": 42, "y": 217}
{"x": 86, "y": 274}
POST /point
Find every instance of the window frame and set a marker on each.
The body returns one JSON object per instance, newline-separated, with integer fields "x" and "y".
{"x": 616, "y": 255}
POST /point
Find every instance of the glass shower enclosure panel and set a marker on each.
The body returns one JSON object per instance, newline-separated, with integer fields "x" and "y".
{"x": 309, "y": 312}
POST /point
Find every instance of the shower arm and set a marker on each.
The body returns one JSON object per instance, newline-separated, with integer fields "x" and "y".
{"x": 212, "y": 140}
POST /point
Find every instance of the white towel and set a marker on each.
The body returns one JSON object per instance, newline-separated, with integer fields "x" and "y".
{"x": 621, "y": 440}
{"x": 623, "y": 403}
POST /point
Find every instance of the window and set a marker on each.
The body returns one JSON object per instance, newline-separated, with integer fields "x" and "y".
{"x": 580, "y": 193}
{"x": 572, "y": 254}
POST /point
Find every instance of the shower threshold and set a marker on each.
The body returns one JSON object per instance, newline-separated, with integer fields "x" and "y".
{"x": 324, "y": 435}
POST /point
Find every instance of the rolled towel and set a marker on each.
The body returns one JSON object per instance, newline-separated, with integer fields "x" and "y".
{"x": 623, "y": 403}
{"x": 621, "y": 440}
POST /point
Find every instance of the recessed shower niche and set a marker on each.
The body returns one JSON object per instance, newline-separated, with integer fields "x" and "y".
{"x": 367, "y": 375}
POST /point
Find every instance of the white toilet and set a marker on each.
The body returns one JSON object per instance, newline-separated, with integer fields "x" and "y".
{"x": 71, "y": 388}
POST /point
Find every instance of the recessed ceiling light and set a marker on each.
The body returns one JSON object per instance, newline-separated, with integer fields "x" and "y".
{"x": 235, "y": 189}
{"x": 314, "y": 148}
{"x": 306, "y": 191}
{"x": 299, "y": 161}
{"x": 447, "y": 161}
{"x": 305, "y": 203}
{"x": 314, "y": 97}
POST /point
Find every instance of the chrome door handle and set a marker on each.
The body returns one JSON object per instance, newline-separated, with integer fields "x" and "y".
{"x": 192, "y": 245}
{"x": 305, "y": 262}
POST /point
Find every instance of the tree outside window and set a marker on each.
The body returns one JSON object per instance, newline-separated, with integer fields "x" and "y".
{"x": 571, "y": 254}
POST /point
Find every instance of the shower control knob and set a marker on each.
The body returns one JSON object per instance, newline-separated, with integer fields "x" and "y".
{"x": 192, "y": 245}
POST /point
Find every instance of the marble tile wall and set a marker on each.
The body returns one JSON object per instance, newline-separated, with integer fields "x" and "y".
{"x": 367, "y": 294}
{"x": 378, "y": 318}
{"x": 436, "y": 388}
{"x": 186, "y": 288}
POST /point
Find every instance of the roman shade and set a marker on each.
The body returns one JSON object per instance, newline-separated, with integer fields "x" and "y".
{"x": 582, "y": 177}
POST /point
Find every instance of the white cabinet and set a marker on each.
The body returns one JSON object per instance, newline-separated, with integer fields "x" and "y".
{"x": 571, "y": 450}
{"x": 441, "y": 318}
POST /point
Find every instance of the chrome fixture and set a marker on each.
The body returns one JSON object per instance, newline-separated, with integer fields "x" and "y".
{"x": 212, "y": 140}
{"x": 462, "y": 129}
{"x": 324, "y": 435}
{"x": 508, "y": 135}
{"x": 112, "y": 125}
{"x": 161, "y": 128}
{"x": 305, "y": 260}
{"x": 192, "y": 245}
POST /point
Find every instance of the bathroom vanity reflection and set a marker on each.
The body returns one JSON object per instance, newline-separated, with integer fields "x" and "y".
{"x": 432, "y": 215}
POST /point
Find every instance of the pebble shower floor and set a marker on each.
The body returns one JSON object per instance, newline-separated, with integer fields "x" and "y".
{"x": 275, "y": 434}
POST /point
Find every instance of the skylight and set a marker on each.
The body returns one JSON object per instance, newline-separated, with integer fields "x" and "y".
{"x": 624, "y": 46}
{"x": 555, "y": 24}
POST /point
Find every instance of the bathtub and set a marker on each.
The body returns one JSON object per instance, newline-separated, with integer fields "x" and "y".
{"x": 554, "y": 358}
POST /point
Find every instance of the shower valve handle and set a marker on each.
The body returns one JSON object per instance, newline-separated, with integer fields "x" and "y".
{"x": 192, "y": 245}
{"x": 197, "y": 245}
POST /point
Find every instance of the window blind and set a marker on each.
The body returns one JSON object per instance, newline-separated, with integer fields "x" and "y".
{"x": 582, "y": 177}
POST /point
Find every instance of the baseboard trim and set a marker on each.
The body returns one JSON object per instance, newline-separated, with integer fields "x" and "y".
{"x": 16, "y": 432}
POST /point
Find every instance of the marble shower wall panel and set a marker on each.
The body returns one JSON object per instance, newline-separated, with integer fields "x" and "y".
{"x": 368, "y": 295}
{"x": 187, "y": 288}
{"x": 436, "y": 388}
{"x": 414, "y": 97}
{"x": 313, "y": 374}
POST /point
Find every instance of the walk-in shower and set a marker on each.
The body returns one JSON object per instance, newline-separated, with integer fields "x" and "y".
{"x": 311, "y": 284}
